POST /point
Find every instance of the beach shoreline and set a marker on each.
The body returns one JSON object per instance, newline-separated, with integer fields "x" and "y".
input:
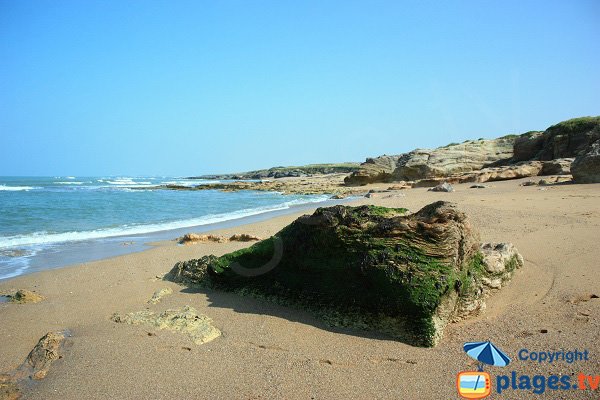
{"x": 270, "y": 351}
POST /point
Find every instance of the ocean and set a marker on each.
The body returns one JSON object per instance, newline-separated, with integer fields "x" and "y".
{"x": 48, "y": 222}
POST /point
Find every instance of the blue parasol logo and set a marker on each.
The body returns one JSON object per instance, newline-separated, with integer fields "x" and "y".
{"x": 486, "y": 353}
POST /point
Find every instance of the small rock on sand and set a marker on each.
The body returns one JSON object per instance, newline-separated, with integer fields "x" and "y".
{"x": 159, "y": 294}
{"x": 190, "y": 238}
{"x": 243, "y": 237}
{"x": 23, "y": 296}
{"x": 442, "y": 187}
{"x": 186, "y": 320}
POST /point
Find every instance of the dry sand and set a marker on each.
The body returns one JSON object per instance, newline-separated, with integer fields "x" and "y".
{"x": 269, "y": 351}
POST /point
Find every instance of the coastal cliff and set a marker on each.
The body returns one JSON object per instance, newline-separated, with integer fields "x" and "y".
{"x": 498, "y": 157}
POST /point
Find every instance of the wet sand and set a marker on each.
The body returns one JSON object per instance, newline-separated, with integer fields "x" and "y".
{"x": 270, "y": 351}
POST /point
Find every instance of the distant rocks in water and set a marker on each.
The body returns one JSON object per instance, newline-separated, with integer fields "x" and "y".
{"x": 586, "y": 167}
{"x": 367, "y": 267}
{"x": 23, "y": 296}
{"x": 186, "y": 320}
{"x": 244, "y": 237}
{"x": 288, "y": 172}
{"x": 442, "y": 187}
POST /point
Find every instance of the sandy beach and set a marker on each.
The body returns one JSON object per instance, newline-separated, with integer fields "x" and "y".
{"x": 268, "y": 351}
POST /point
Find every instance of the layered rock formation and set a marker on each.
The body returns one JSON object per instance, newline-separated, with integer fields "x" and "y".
{"x": 367, "y": 267}
{"x": 453, "y": 159}
{"x": 378, "y": 169}
{"x": 424, "y": 163}
{"x": 586, "y": 167}
{"x": 509, "y": 157}
{"x": 566, "y": 139}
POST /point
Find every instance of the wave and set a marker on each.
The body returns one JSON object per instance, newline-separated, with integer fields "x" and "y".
{"x": 69, "y": 183}
{"x": 125, "y": 181}
{"x": 126, "y": 230}
{"x": 17, "y": 188}
{"x": 15, "y": 262}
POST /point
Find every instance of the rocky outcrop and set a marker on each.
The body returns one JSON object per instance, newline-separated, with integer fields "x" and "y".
{"x": 517, "y": 171}
{"x": 186, "y": 320}
{"x": 378, "y": 169}
{"x": 586, "y": 167}
{"x": 422, "y": 164}
{"x": 560, "y": 166}
{"x": 566, "y": 139}
{"x": 287, "y": 172}
{"x": 368, "y": 267}
{"x": 497, "y": 159}
{"x": 452, "y": 159}
{"x": 528, "y": 146}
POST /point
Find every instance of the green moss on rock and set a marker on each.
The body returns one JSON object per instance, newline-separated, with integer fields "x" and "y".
{"x": 367, "y": 267}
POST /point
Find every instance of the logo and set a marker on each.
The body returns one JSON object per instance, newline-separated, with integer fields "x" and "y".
{"x": 473, "y": 385}
{"x": 478, "y": 384}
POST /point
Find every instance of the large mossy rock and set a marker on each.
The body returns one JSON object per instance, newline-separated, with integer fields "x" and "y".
{"x": 368, "y": 267}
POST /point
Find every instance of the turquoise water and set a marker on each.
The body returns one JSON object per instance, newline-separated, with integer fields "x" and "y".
{"x": 47, "y": 222}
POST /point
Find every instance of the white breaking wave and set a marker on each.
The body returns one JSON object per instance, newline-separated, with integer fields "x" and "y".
{"x": 69, "y": 183}
{"x": 48, "y": 238}
{"x": 17, "y": 188}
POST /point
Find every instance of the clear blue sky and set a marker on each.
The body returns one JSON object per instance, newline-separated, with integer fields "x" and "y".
{"x": 187, "y": 87}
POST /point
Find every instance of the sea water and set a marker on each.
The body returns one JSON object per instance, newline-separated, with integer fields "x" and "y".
{"x": 56, "y": 221}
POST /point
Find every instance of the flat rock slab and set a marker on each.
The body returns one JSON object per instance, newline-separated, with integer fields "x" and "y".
{"x": 186, "y": 320}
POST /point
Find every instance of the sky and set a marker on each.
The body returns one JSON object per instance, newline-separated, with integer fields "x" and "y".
{"x": 180, "y": 88}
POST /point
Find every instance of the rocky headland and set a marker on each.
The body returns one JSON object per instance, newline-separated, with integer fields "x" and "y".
{"x": 539, "y": 153}
{"x": 550, "y": 152}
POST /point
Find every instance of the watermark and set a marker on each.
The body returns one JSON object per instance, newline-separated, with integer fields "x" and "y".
{"x": 480, "y": 384}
